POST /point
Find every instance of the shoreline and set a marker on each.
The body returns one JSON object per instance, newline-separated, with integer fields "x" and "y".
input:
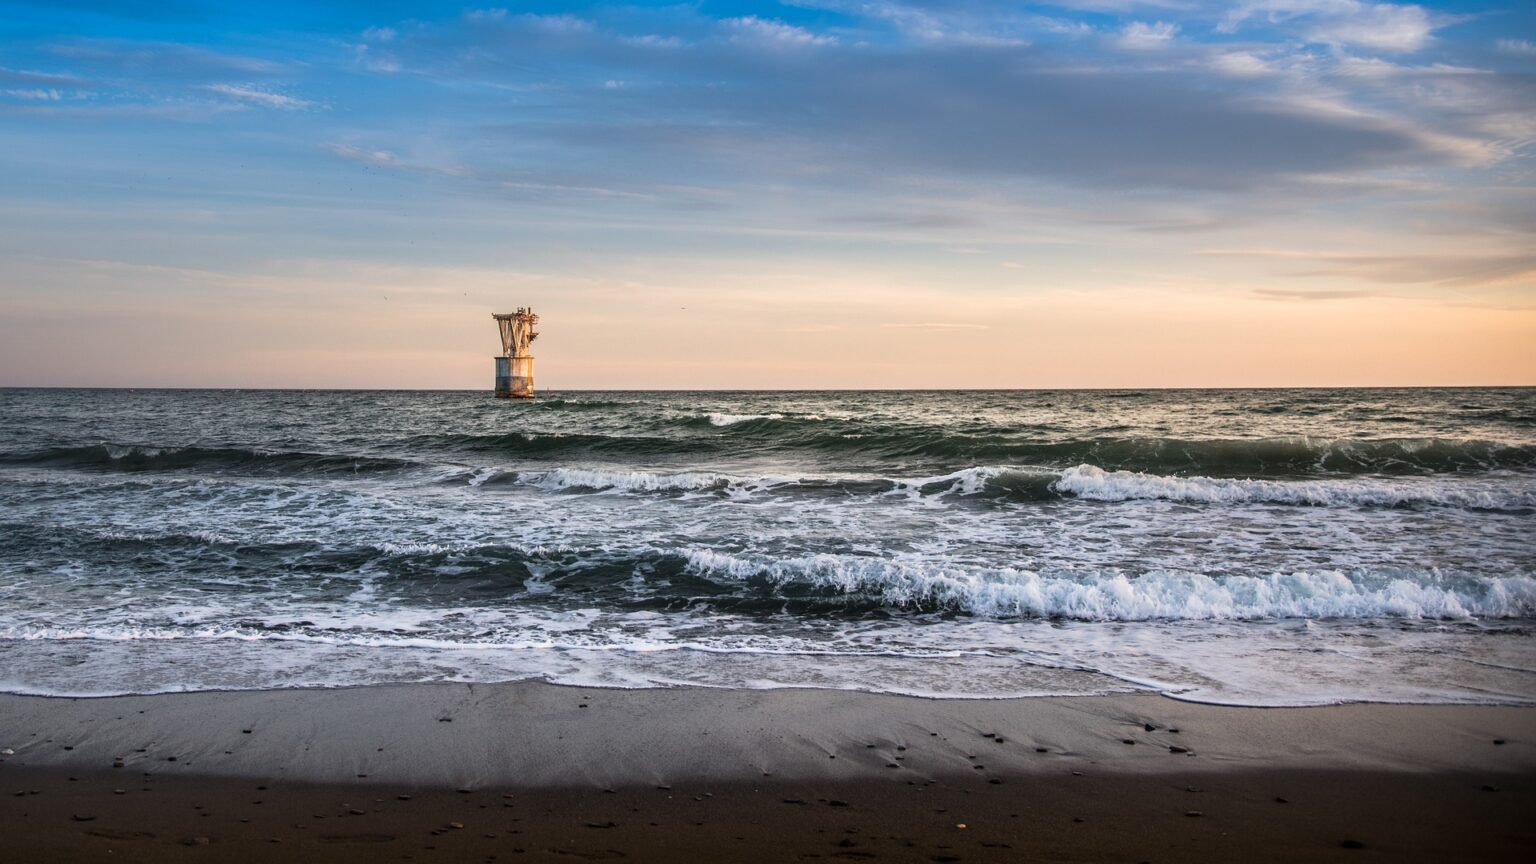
{"x": 544, "y": 772}
{"x": 422, "y": 729}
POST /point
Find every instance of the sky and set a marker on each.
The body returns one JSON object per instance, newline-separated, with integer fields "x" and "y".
{"x": 805, "y": 194}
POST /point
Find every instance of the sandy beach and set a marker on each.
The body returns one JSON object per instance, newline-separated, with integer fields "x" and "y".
{"x": 531, "y": 771}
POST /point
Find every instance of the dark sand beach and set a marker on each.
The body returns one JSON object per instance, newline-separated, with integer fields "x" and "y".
{"x": 531, "y": 771}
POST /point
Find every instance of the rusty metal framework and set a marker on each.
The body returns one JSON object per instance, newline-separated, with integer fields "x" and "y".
{"x": 514, "y": 368}
{"x": 517, "y": 332}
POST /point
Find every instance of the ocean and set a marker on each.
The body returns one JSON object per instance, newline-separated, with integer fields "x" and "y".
{"x": 1257, "y": 547}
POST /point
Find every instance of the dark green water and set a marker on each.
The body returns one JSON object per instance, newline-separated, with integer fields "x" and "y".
{"x": 1271, "y": 546}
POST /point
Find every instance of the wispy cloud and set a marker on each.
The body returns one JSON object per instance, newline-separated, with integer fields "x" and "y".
{"x": 253, "y": 95}
{"x": 49, "y": 95}
{"x": 751, "y": 28}
{"x": 1140, "y": 35}
{"x": 1288, "y": 294}
{"x": 382, "y": 158}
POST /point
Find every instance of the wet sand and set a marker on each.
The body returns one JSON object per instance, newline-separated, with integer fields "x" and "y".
{"x": 530, "y": 771}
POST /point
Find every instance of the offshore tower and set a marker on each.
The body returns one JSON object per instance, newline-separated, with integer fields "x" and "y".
{"x": 514, "y": 368}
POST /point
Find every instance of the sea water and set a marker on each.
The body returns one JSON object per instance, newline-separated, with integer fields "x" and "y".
{"x": 1264, "y": 547}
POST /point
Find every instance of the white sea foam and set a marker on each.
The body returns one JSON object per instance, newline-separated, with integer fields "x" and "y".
{"x": 722, "y": 419}
{"x": 1086, "y": 482}
{"x": 625, "y": 481}
{"x": 1110, "y": 596}
{"x": 1093, "y": 483}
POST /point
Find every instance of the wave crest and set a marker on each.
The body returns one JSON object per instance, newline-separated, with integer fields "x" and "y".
{"x": 1010, "y": 593}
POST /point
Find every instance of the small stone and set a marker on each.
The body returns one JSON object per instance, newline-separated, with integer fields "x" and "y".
{"x": 664, "y": 787}
{"x": 1193, "y": 813}
{"x": 1498, "y": 742}
{"x": 1174, "y": 748}
{"x": 355, "y": 812}
{"x": 1173, "y": 731}
{"x": 601, "y": 824}
{"x": 1128, "y": 741}
{"x": 119, "y": 791}
{"x": 455, "y": 824}
{"x": 995, "y": 781}
{"x": 1149, "y": 727}
{"x": 84, "y": 817}
{"x": 1279, "y": 800}
{"x": 196, "y": 841}
{"x": 1041, "y": 750}
{"x": 1351, "y": 844}
{"x": 245, "y": 731}
{"x": 892, "y": 765}
{"x": 836, "y": 803}
{"x": 1487, "y": 788}
{"x": 402, "y": 797}
{"x": 794, "y": 801}
{"x": 445, "y": 719}
{"x": 170, "y": 758}
{"x": 9, "y": 752}
{"x": 117, "y": 763}
{"x": 464, "y": 790}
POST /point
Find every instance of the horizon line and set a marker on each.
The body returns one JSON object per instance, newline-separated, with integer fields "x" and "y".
{"x": 489, "y": 391}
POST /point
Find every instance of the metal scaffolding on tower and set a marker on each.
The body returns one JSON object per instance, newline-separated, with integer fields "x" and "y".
{"x": 514, "y": 368}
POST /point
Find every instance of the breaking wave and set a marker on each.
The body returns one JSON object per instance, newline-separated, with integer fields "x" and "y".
{"x": 133, "y": 457}
{"x": 789, "y": 436}
{"x": 1009, "y": 593}
{"x": 1024, "y": 484}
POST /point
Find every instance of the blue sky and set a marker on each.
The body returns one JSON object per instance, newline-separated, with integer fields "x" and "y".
{"x": 818, "y": 193}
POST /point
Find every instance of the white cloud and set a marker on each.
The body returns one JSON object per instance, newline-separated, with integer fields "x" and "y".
{"x": 652, "y": 40}
{"x": 758, "y": 29}
{"x": 48, "y": 95}
{"x": 1380, "y": 25}
{"x": 1241, "y": 64}
{"x": 380, "y": 34}
{"x": 1141, "y": 35}
{"x": 374, "y": 62}
{"x": 382, "y": 158}
{"x": 257, "y": 96}
{"x": 1383, "y": 26}
{"x": 1517, "y": 46}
